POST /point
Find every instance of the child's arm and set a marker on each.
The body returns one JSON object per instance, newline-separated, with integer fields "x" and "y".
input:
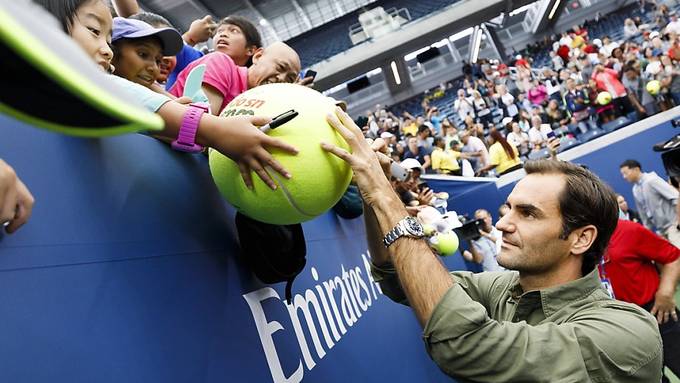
{"x": 236, "y": 137}
{"x": 125, "y": 8}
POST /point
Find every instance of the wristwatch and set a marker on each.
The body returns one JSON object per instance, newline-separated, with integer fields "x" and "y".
{"x": 186, "y": 139}
{"x": 407, "y": 227}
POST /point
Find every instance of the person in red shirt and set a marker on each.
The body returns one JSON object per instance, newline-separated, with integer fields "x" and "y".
{"x": 630, "y": 263}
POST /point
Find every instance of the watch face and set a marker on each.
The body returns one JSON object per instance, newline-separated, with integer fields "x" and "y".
{"x": 414, "y": 227}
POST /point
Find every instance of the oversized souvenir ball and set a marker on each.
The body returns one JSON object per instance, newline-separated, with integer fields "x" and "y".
{"x": 318, "y": 178}
{"x": 653, "y": 87}
{"x": 604, "y": 98}
{"x": 445, "y": 243}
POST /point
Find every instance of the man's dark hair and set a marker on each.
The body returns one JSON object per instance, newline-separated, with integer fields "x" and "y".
{"x": 630, "y": 164}
{"x": 439, "y": 141}
{"x": 585, "y": 200}
{"x": 252, "y": 35}
{"x": 423, "y": 128}
{"x": 156, "y": 21}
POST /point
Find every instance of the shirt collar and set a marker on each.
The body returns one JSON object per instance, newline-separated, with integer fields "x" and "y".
{"x": 554, "y": 298}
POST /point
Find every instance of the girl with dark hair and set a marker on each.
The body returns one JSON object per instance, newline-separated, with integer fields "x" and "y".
{"x": 503, "y": 155}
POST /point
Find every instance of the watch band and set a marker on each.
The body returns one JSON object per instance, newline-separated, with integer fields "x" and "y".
{"x": 407, "y": 227}
{"x": 186, "y": 139}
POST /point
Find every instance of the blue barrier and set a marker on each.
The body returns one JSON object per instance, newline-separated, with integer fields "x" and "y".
{"x": 129, "y": 271}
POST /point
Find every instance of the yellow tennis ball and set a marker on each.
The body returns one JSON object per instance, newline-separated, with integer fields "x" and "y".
{"x": 428, "y": 229}
{"x": 653, "y": 87}
{"x": 604, "y": 98}
{"x": 318, "y": 178}
{"x": 445, "y": 243}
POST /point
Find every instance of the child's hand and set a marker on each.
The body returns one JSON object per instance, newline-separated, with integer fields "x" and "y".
{"x": 240, "y": 139}
{"x": 200, "y": 30}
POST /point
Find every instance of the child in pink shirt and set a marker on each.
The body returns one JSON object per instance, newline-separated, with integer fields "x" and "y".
{"x": 223, "y": 80}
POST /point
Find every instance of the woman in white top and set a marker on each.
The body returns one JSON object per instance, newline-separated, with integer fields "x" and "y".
{"x": 518, "y": 138}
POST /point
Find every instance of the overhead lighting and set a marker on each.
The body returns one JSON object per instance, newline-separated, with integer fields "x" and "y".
{"x": 554, "y": 9}
{"x": 264, "y": 22}
{"x": 476, "y": 43}
{"x": 461, "y": 34}
{"x": 395, "y": 72}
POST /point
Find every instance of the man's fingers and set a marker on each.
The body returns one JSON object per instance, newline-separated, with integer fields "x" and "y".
{"x": 337, "y": 125}
{"x": 349, "y": 123}
{"x": 339, "y": 152}
{"x": 674, "y": 316}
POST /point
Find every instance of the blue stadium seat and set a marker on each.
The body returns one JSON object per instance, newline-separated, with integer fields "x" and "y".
{"x": 616, "y": 124}
{"x": 568, "y": 144}
{"x": 541, "y": 154}
{"x": 590, "y": 135}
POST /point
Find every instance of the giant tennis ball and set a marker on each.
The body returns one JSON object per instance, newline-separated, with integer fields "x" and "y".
{"x": 445, "y": 243}
{"x": 653, "y": 87}
{"x": 318, "y": 178}
{"x": 604, "y": 98}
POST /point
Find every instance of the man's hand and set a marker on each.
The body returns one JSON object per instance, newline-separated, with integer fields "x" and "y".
{"x": 664, "y": 308}
{"x": 200, "y": 31}
{"x": 368, "y": 172}
{"x": 16, "y": 202}
{"x": 307, "y": 81}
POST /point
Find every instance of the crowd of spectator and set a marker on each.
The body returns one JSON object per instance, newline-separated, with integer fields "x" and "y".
{"x": 507, "y": 112}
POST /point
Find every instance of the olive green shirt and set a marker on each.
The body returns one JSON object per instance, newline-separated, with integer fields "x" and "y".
{"x": 486, "y": 329}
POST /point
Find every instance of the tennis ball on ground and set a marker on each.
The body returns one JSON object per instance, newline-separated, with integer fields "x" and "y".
{"x": 604, "y": 98}
{"x": 653, "y": 87}
{"x": 445, "y": 244}
{"x": 319, "y": 178}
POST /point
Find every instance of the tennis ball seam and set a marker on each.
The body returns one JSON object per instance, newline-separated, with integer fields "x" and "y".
{"x": 287, "y": 194}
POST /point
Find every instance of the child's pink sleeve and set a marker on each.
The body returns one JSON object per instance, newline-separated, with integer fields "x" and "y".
{"x": 219, "y": 72}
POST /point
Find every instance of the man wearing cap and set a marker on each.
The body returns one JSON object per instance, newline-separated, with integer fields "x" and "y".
{"x": 224, "y": 80}
{"x": 138, "y": 49}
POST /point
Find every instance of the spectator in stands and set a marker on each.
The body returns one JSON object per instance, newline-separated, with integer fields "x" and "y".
{"x": 655, "y": 199}
{"x": 485, "y": 249}
{"x": 16, "y": 201}
{"x": 538, "y": 133}
{"x": 519, "y": 139}
{"x": 482, "y": 111}
{"x": 476, "y": 148}
{"x": 424, "y": 138}
{"x": 644, "y": 103}
{"x": 507, "y": 102}
{"x": 538, "y": 93}
{"x": 418, "y": 153}
{"x": 451, "y": 133}
{"x": 644, "y": 269}
{"x": 168, "y": 63}
{"x": 673, "y": 26}
{"x": 435, "y": 120}
{"x": 625, "y": 212}
{"x": 586, "y": 68}
{"x": 503, "y": 156}
{"x": 463, "y": 106}
{"x": 555, "y": 117}
{"x": 445, "y": 161}
{"x": 223, "y": 80}
{"x": 630, "y": 29}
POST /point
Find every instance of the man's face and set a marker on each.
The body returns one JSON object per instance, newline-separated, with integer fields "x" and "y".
{"x": 631, "y": 175}
{"x": 412, "y": 142}
{"x": 532, "y": 226}
{"x": 278, "y": 63}
{"x": 623, "y": 205}
{"x": 486, "y": 217}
